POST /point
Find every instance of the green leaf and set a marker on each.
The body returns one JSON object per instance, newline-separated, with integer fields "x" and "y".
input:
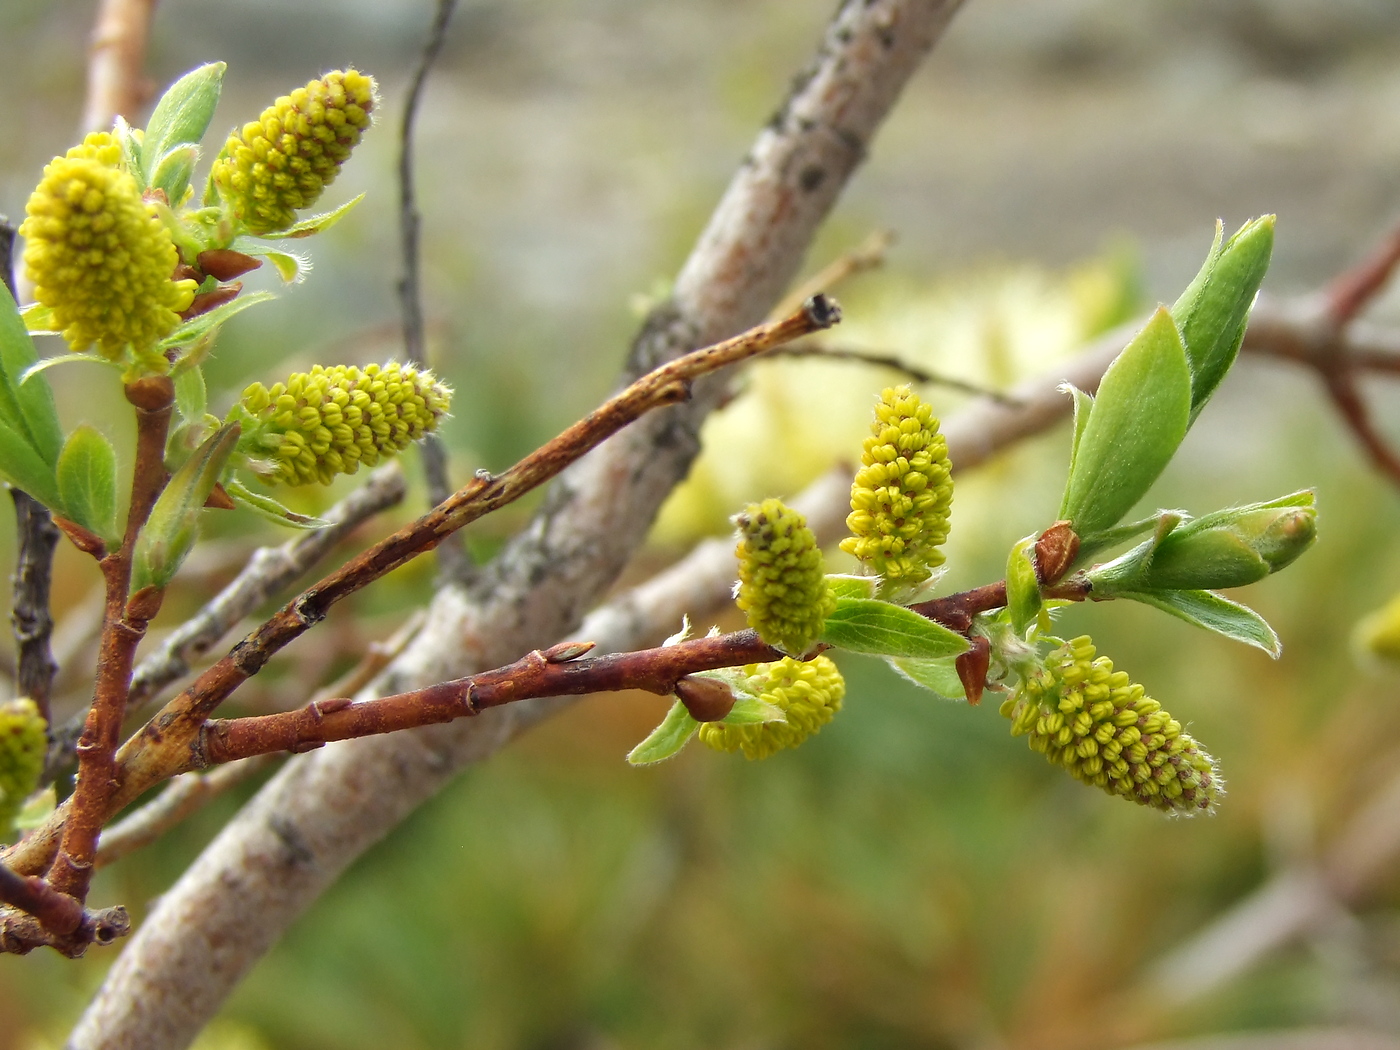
{"x": 667, "y": 738}
{"x": 1022, "y": 585}
{"x": 25, "y": 469}
{"x": 271, "y": 509}
{"x": 87, "y": 482}
{"x": 1134, "y": 427}
{"x": 38, "y": 319}
{"x": 292, "y": 268}
{"x": 939, "y": 677}
{"x": 44, "y": 364}
{"x": 170, "y": 531}
{"x": 866, "y": 625}
{"x": 852, "y": 586}
{"x": 172, "y": 174}
{"x": 197, "y": 328}
{"x": 182, "y": 115}
{"x": 129, "y": 139}
{"x": 750, "y": 710}
{"x": 191, "y": 398}
{"x": 1214, "y": 310}
{"x": 1083, "y": 407}
{"x": 317, "y": 223}
{"x": 27, "y": 409}
{"x": 1214, "y": 612}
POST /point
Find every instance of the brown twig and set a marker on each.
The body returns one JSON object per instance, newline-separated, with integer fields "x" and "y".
{"x": 124, "y": 625}
{"x": 453, "y": 560}
{"x": 895, "y": 363}
{"x": 30, "y": 614}
{"x": 868, "y": 255}
{"x": 116, "y": 82}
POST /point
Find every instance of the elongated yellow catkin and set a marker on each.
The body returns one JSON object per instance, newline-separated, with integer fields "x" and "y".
{"x": 329, "y": 421}
{"x": 1101, "y": 727}
{"x": 99, "y": 257}
{"x": 282, "y": 162}
{"x": 782, "y": 587}
{"x": 903, "y": 492}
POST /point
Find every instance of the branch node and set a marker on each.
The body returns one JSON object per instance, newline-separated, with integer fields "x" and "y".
{"x": 822, "y": 310}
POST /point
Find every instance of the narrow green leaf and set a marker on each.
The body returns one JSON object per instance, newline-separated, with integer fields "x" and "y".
{"x": 1022, "y": 585}
{"x": 316, "y": 223}
{"x": 182, "y": 115}
{"x": 1083, "y": 407}
{"x": 173, "y": 171}
{"x": 87, "y": 482}
{"x": 24, "y": 468}
{"x": 191, "y": 398}
{"x": 667, "y": 738}
{"x": 751, "y": 710}
{"x": 852, "y": 586}
{"x": 1214, "y": 612}
{"x": 27, "y": 409}
{"x": 866, "y": 625}
{"x": 130, "y": 145}
{"x": 38, "y": 319}
{"x": 939, "y": 677}
{"x": 171, "y": 530}
{"x": 1136, "y": 423}
{"x": 1213, "y": 311}
{"x": 45, "y": 363}
{"x": 197, "y": 328}
{"x": 271, "y": 509}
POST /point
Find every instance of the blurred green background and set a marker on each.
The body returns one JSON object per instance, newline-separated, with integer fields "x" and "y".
{"x": 912, "y": 877}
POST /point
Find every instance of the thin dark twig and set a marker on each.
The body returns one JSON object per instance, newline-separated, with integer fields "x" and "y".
{"x": 453, "y": 559}
{"x": 895, "y": 362}
{"x": 30, "y": 613}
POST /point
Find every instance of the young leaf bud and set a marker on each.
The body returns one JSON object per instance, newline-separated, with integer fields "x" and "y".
{"x": 1229, "y": 548}
{"x": 172, "y": 528}
{"x": 1214, "y": 309}
{"x": 331, "y": 420}
{"x": 100, "y": 259}
{"x": 782, "y": 589}
{"x": 902, "y": 493}
{"x": 809, "y": 695}
{"x": 282, "y": 162}
{"x": 23, "y": 744}
{"x": 1085, "y": 716}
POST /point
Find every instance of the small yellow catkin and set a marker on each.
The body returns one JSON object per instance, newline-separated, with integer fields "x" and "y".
{"x": 282, "y": 161}
{"x": 808, "y": 693}
{"x": 1097, "y": 724}
{"x": 903, "y": 492}
{"x": 99, "y": 257}
{"x": 782, "y": 588}
{"x": 329, "y": 421}
{"x": 23, "y": 744}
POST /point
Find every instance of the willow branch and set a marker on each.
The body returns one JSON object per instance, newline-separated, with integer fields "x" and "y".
{"x": 124, "y": 625}
{"x": 116, "y": 81}
{"x": 322, "y": 810}
{"x": 893, "y": 362}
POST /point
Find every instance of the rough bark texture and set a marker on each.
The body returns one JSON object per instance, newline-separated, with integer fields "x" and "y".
{"x": 324, "y": 809}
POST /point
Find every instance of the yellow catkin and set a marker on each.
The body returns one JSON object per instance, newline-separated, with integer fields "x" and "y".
{"x": 782, "y": 587}
{"x": 1101, "y": 727}
{"x": 329, "y": 421}
{"x": 23, "y": 743}
{"x": 808, "y": 693}
{"x": 99, "y": 257}
{"x": 281, "y": 162}
{"x": 903, "y": 492}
